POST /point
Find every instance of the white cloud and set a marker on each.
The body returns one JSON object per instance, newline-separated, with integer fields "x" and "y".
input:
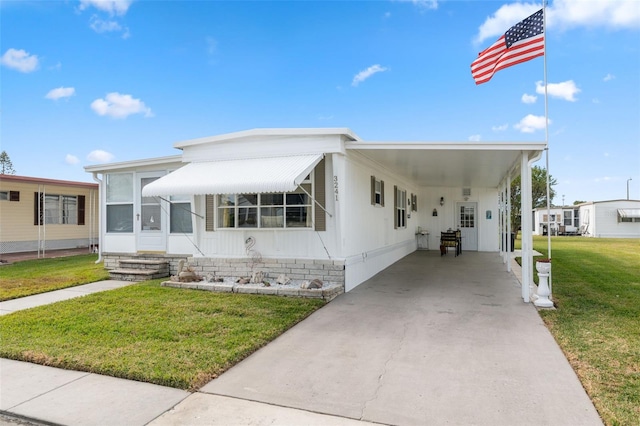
{"x": 60, "y": 92}
{"x": 71, "y": 159}
{"x": 531, "y": 123}
{"x": 422, "y": 4}
{"x": 365, "y": 74}
{"x": 474, "y": 138}
{"x": 608, "y": 77}
{"x": 19, "y": 60}
{"x": 500, "y": 128}
{"x": 595, "y": 100}
{"x": 100, "y": 26}
{"x": 613, "y": 14}
{"x": 504, "y": 18}
{"x": 100, "y": 156}
{"x": 113, "y": 7}
{"x": 565, "y": 90}
{"x": 117, "y": 105}
{"x": 529, "y": 99}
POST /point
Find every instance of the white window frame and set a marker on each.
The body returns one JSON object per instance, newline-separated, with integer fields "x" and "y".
{"x": 124, "y": 202}
{"x": 259, "y": 207}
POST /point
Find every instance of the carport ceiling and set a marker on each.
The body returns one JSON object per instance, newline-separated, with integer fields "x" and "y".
{"x": 448, "y": 164}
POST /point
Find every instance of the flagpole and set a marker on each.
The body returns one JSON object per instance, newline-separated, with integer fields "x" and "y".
{"x": 546, "y": 131}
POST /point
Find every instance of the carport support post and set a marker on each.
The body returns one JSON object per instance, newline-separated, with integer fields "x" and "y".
{"x": 508, "y": 214}
{"x": 525, "y": 214}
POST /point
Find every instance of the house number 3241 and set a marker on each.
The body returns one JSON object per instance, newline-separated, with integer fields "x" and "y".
{"x": 335, "y": 186}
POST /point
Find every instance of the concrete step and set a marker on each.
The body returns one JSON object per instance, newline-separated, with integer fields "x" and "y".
{"x": 137, "y": 274}
{"x": 142, "y": 264}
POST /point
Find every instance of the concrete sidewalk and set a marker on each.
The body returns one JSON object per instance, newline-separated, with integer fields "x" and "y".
{"x": 66, "y": 397}
{"x": 13, "y": 305}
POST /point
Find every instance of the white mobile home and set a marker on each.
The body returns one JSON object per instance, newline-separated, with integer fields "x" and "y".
{"x": 311, "y": 202}
{"x": 611, "y": 219}
{"x": 561, "y": 220}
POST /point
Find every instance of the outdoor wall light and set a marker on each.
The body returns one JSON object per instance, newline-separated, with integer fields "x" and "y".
{"x": 442, "y": 201}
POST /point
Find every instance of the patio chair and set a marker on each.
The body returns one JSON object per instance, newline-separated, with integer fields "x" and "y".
{"x": 449, "y": 239}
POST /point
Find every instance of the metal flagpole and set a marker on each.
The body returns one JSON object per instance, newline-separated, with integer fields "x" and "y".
{"x": 546, "y": 131}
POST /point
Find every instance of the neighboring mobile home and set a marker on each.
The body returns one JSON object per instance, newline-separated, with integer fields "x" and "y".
{"x": 47, "y": 214}
{"x": 310, "y": 202}
{"x": 564, "y": 220}
{"x": 610, "y": 219}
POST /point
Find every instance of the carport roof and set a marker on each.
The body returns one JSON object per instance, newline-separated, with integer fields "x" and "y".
{"x": 449, "y": 164}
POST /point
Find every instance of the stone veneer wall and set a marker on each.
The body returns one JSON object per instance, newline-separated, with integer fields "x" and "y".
{"x": 329, "y": 271}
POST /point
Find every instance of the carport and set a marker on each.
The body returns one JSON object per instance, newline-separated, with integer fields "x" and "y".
{"x": 429, "y": 340}
{"x": 466, "y": 164}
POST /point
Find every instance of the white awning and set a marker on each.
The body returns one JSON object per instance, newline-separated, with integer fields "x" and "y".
{"x": 632, "y": 213}
{"x": 246, "y": 176}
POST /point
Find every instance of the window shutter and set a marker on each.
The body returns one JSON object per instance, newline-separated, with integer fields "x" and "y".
{"x": 81, "y": 209}
{"x": 320, "y": 218}
{"x": 382, "y": 193}
{"x": 208, "y": 213}
{"x": 38, "y": 208}
{"x": 395, "y": 207}
{"x": 373, "y": 190}
{"x": 14, "y": 195}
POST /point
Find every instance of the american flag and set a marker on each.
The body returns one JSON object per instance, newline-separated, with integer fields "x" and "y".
{"x": 522, "y": 42}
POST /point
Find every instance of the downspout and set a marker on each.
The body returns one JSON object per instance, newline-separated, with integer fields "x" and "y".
{"x": 100, "y": 191}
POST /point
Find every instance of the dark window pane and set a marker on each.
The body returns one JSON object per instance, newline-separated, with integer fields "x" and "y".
{"x": 120, "y": 218}
{"x": 297, "y": 217}
{"x": 271, "y": 199}
{"x": 297, "y": 199}
{"x": 180, "y": 218}
{"x": 248, "y": 199}
{"x": 248, "y": 217}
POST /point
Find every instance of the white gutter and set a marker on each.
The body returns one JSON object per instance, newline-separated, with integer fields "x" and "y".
{"x": 100, "y": 191}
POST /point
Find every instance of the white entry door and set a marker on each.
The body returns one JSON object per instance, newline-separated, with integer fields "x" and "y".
{"x": 467, "y": 221}
{"x": 150, "y": 223}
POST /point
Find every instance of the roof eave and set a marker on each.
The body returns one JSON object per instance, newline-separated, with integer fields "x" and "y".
{"x": 343, "y": 131}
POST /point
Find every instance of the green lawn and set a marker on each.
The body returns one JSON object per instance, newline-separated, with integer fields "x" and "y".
{"x": 41, "y": 275}
{"x": 596, "y": 288}
{"x": 173, "y": 337}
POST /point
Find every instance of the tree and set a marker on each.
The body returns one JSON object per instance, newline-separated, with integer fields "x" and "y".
{"x": 6, "y": 167}
{"x": 575, "y": 203}
{"x": 538, "y": 194}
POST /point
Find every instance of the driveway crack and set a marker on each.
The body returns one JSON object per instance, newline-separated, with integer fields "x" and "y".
{"x": 382, "y": 375}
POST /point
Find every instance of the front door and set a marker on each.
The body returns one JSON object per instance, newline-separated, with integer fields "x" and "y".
{"x": 150, "y": 218}
{"x": 468, "y": 225}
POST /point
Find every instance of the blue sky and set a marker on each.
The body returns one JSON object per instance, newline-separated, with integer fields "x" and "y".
{"x": 90, "y": 81}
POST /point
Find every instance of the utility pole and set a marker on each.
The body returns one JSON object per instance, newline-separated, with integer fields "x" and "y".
{"x": 628, "y": 187}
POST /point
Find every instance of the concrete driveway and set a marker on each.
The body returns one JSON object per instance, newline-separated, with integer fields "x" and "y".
{"x": 430, "y": 340}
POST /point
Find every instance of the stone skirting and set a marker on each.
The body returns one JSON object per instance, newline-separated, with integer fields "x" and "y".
{"x": 328, "y": 293}
{"x": 328, "y": 271}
